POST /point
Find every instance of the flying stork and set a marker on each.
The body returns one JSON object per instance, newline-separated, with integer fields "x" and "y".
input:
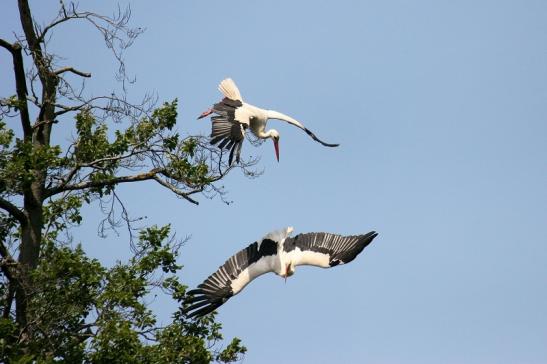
{"x": 276, "y": 252}
{"x": 233, "y": 117}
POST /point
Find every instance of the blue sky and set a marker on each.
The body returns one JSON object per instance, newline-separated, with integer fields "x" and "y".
{"x": 440, "y": 109}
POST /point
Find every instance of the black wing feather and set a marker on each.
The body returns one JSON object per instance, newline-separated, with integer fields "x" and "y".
{"x": 227, "y": 131}
{"x": 340, "y": 249}
{"x": 216, "y": 289}
{"x": 229, "y": 135}
{"x": 314, "y": 137}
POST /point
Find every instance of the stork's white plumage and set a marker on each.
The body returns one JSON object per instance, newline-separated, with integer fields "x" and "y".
{"x": 234, "y": 116}
{"x": 279, "y": 253}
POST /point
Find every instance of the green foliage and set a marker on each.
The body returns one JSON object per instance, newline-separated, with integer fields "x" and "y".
{"x": 149, "y": 139}
{"x": 232, "y": 351}
{"x": 61, "y": 214}
{"x": 78, "y": 310}
{"x": 6, "y": 137}
{"x": 92, "y": 140}
{"x": 85, "y": 312}
{"x": 57, "y": 304}
{"x": 19, "y": 164}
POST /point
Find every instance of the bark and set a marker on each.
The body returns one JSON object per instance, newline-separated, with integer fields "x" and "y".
{"x": 29, "y": 251}
{"x": 31, "y": 232}
{"x": 20, "y": 84}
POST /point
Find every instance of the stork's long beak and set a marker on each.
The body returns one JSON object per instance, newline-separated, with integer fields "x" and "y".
{"x": 205, "y": 114}
{"x": 276, "y": 145}
{"x": 287, "y": 267}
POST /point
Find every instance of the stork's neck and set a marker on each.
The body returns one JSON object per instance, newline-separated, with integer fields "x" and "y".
{"x": 281, "y": 235}
{"x": 272, "y": 114}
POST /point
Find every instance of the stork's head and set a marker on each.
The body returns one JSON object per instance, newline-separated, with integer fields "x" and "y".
{"x": 289, "y": 270}
{"x": 275, "y": 138}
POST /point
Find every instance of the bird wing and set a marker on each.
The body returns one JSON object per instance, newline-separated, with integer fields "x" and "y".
{"x": 279, "y": 116}
{"x": 310, "y": 133}
{"x": 229, "y": 89}
{"x": 228, "y": 132}
{"x": 324, "y": 249}
{"x": 230, "y": 278}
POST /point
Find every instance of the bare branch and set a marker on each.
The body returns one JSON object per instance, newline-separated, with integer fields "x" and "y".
{"x": 66, "y": 180}
{"x": 20, "y": 85}
{"x": 30, "y": 34}
{"x": 6, "y": 45}
{"x": 13, "y": 210}
{"x": 68, "y": 177}
{"x": 71, "y": 69}
{"x": 54, "y": 23}
{"x": 112, "y": 106}
{"x": 117, "y": 34}
{"x": 98, "y": 184}
{"x": 177, "y": 191}
{"x": 48, "y": 80}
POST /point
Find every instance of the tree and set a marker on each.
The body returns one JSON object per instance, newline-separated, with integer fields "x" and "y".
{"x": 58, "y": 304}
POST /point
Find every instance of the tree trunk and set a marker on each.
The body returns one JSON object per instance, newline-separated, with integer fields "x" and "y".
{"x": 29, "y": 250}
{"x": 31, "y": 232}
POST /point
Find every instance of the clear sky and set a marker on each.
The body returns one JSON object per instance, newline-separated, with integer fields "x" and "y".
{"x": 440, "y": 109}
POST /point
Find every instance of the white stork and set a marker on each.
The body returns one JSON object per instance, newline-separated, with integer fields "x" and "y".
{"x": 233, "y": 117}
{"x": 279, "y": 253}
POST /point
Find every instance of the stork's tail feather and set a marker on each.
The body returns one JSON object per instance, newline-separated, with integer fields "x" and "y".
{"x": 229, "y": 89}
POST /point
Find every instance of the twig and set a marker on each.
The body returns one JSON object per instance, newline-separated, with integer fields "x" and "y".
{"x": 177, "y": 191}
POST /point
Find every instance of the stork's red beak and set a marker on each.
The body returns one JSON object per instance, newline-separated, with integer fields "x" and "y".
{"x": 276, "y": 145}
{"x": 205, "y": 113}
{"x": 287, "y": 267}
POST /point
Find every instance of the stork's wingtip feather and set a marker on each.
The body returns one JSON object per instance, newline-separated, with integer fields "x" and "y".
{"x": 370, "y": 236}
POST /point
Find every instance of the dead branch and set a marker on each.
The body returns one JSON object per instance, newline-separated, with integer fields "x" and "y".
{"x": 71, "y": 69}
{"x": 99, "y": 184}
{"x": 13, "y": 210}
{"x": 177, "y": 191}
{"x": 20, "y": 85}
